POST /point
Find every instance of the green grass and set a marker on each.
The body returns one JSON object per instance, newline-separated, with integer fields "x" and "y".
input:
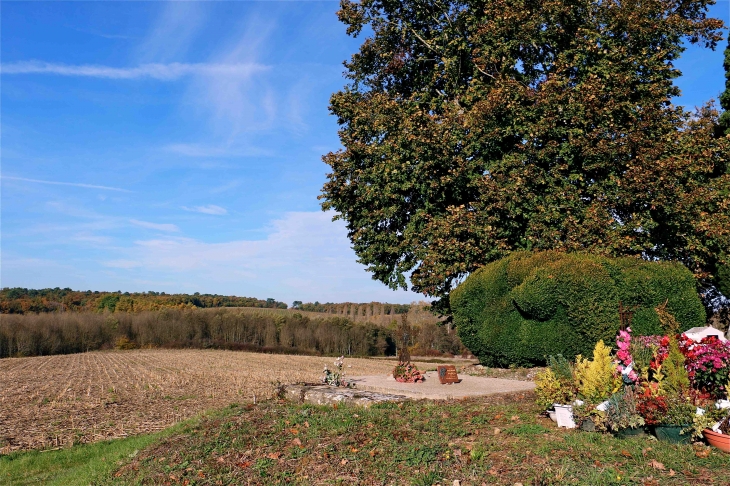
{"x": 81, "y": 464}
{"x": 492, "y": 441}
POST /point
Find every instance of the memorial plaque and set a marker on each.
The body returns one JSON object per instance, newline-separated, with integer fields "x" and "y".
{"x": 447, "y": 375}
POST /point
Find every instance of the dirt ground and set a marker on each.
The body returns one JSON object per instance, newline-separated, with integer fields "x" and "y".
{"x": 53, "y": 401}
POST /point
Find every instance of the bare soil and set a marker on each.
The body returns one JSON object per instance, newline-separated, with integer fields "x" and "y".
{"x": 54, "y": 401}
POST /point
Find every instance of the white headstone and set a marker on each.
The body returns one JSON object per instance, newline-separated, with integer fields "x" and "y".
{"x": 697, "y": 333}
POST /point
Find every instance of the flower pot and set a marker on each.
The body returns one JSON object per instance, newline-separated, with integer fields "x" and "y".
{"x": 588, "y": 425}
{"x": 629, "y": 432}
{"x": 564, "y": 416}
{"x": 672, "y": 434}
{"x": 721, "y": 441}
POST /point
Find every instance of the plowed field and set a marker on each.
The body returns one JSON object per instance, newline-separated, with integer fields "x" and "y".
{"x": 52, "y": 401}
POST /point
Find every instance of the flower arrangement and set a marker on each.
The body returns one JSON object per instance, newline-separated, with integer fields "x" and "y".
{"x": 670, "y": 383}
{"x": 622, "y": 412}
{"x": 650, "y": 405}
{"x": 680, "y": 411}
{"x": 624, "y": 360}
{"x": 708, "y": 364}
{"x": 336, "y": 377}
{"x": 407, "y": 373}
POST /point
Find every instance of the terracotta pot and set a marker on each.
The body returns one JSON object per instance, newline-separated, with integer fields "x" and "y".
{"x": 721, "y": 441}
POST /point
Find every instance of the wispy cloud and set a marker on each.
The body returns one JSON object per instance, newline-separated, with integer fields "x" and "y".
{"x": 225, "y": 187}
{"x": 162, "y": 72}
{"x": 238, "y": 104}
{"x": 86, "y": 237}
{"x": 155, "y": 226}
{"x": 202, "y": 150}
{"x": 59, "y": 183}
{"x": 173, "y": 31}
{"x": 105, "y": 35}
{"x": 209, "y": 209}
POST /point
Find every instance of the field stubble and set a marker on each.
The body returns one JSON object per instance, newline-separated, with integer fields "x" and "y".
{"x": 55, "y": 401}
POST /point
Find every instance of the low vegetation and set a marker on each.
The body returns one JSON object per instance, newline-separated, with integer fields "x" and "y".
{"x": 498, "y": 440}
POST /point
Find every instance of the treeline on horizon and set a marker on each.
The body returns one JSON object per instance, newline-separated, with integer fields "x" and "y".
{"x": 353, "y": 308}
{"x": 22, "y": 301}
{"x": 74, "y": 332}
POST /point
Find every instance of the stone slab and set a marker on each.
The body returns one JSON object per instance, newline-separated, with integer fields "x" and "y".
{"x": 330, "y": 395}
{"x": 431, "y": 388}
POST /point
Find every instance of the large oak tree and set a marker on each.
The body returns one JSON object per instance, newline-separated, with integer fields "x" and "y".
{"x": 475, "y": 128}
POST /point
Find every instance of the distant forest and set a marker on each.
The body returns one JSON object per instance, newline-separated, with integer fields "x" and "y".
{"x": 60, "y": 321}
{"x": 237, "y": 329}
{"x": 349, "y": 308}
{"x": 21, "y": 301}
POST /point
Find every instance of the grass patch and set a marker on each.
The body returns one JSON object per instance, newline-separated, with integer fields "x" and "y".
{"x": 82, "y": 464}
{"x": 498, "y": 440}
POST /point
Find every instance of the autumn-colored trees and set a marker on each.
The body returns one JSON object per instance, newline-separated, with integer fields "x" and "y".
{"x": 21, "y": 300}
{"x": 472, "y": 129}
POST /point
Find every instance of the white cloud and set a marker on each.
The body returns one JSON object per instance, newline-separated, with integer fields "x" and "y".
{"x": 209, "y": 209}
{"x": 162, "y": 72}
{"x": 305, "y": 256}
{"x": 59, "y": 183}
{"x": 154, "y": 226}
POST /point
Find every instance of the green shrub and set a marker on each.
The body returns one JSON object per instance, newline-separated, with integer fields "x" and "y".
{"x": 519, "y": 310}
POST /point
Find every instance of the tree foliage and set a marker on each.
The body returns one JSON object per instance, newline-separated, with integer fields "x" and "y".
{"x": 472, "y": 129}
{"x": 724, "y": 122}
{"x": 19, "y": 300}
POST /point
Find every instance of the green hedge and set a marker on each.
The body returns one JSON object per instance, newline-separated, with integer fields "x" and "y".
{"x": 518, "y": 310}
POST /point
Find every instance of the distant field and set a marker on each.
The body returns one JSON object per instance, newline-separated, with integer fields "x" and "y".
{"x": 52, "y": 401}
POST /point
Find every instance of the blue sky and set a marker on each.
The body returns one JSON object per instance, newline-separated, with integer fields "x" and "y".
{"x": 175, "y": 146}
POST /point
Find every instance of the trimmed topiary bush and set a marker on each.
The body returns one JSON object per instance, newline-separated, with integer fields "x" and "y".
{"x": 519, "y": 310}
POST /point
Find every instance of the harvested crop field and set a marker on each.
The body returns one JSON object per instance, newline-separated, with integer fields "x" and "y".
{"x": 53, "y": 401}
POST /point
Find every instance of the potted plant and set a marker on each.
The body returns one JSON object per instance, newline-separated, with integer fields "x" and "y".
{"x": 336, "y": 377}
{"x": 407, "y": 373}
{"x": 675, "y": 420}
{"x": 622, "y": 417}
{"x": 590, "y": 417}
{"x": 596, "y": 380}
{"x": 555, "y": 388}
{"x": 675, "y": 423}
{"x": 719, "y": 435}
{"x": 708, "y": 364}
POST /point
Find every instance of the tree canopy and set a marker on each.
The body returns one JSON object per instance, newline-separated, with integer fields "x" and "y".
{"x": 724, "y": 122}
{"x": 472, "y": 129}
